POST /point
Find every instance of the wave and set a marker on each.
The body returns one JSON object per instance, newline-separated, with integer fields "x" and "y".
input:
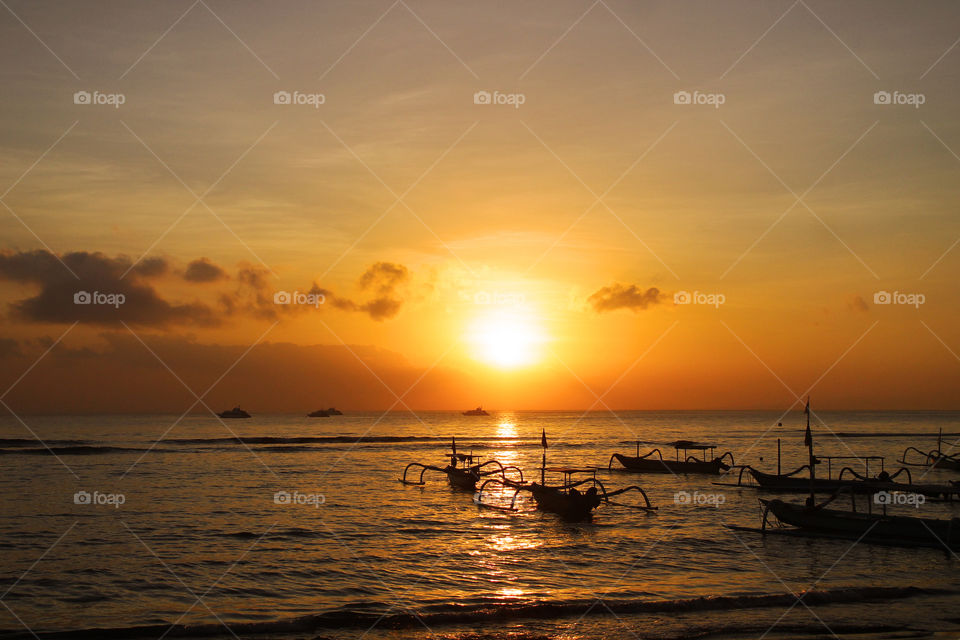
{"x": 79, "y": 450}
{"x": 365, "y": 614}
{"x": 892, "y": 434}
{"x": 32, "y": 442}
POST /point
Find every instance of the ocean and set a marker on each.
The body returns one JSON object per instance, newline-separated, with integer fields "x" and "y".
{"x": 283, "y": 526}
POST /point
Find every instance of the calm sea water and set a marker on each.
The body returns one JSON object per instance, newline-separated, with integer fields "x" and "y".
{"x": 183, "y": 527}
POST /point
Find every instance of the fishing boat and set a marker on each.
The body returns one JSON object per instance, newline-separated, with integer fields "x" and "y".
{"x": 818, "y": 521}
{"x": 463, "y": 471}
{"x": 236, "y": 412}
{"x": 646, "y": 463}
{"x": 319, "y": 413}
{"x": 476, "y": 412}
{"x": 935, "y": 458}
{"x": 812, "y": 519}
{"x": 848, "y": 479}
{"x": 566, "y": 499}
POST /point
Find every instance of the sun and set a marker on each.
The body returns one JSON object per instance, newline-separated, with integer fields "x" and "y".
{"x": 506, "y": 339}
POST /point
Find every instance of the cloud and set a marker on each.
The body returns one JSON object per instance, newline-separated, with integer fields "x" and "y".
{"x": 57, "y": 300}
{"x": 857, "y": 303}
{"x": 621, "y": 296}
{"x": 202, "y": 270}
{"x": 384, "y": 278}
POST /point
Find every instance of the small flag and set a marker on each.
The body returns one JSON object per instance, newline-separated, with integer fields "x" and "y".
{"x": 806, "y": 409}
{"x": 543, "y": 439}
{"x": 807, "y": 437}
{"x": 454, "y": 445}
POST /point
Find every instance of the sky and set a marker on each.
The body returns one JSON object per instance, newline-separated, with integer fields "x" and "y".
{"x": 433, "y": 205}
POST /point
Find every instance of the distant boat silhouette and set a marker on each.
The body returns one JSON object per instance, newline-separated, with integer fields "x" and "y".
{"x": 333, "y": 411}
{"x": 236, "y": 412}
{"x": 319, "y": 413}
{"x": 476, "y": 412}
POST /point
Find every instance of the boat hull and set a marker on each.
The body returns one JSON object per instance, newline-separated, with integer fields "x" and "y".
{"x": 572, "y": 507}
{"x": 648, "y": 465}
{"x": 796, "y": 484}
{"x": 869, "y": 527}
{"x": 462, "y": 479}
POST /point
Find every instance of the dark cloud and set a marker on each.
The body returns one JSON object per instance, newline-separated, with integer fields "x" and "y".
{"x": 202, "y": 270}
{"x": 131, "y": 297}
{"x": 857, "y": 303}
{"x": 63, "y": 296}
{"x": 384, "y": 277}
{"x": 621, "y": 296}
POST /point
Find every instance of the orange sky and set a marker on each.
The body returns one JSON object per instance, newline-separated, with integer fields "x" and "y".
{"x": 523, "y": 256}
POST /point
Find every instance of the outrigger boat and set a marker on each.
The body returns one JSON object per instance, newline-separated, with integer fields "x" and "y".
{"x": 566, "y": 499}
{"x": 848, "y": 479}
{"x": 935, "y": 458}
{"x": 464, "y": 471}
{"x": 817, "y": 521}
{"x": 812, "y": 519}
{"x": 689, "y": 464}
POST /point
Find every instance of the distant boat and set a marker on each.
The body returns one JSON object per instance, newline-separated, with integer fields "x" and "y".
{"x": 333, "y": 411}
{"x": 476, "y": 412}
{"x": 236, "y": 412}
{"x": 319, "y": 413}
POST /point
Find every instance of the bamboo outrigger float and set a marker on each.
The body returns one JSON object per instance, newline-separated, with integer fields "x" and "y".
{"x": 689, "y": 464}
{"x": 935, "y": 458}
{"x": 464, "y": 470}
{"x": 565, "y": 499}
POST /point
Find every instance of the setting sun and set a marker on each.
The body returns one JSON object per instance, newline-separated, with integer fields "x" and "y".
{"x": 506, "y": 339}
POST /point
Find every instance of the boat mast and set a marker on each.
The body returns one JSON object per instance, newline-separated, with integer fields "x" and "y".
{"x": 543, "y": 463}
{"x": 808, "y": 440}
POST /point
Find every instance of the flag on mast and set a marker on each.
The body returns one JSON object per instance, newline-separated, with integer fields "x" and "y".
{"x": 808, "y": 437}
{"x": 543, "y": 439}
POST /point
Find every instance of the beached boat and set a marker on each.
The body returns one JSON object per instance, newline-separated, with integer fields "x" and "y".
{"x": 319, "y": 413}
{"x": 935, "y": 458}
{"x": 236, "y": 412}
{"x": 647, "y": 463}
{"x": 464, "y": 470}
{"x": 476, "y": 412}
{"x": 868, "y": 527}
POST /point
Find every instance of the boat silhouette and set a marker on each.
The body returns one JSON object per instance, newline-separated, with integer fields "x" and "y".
{"x": 476, "y": 412}
{"x": 236, "y": 412}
